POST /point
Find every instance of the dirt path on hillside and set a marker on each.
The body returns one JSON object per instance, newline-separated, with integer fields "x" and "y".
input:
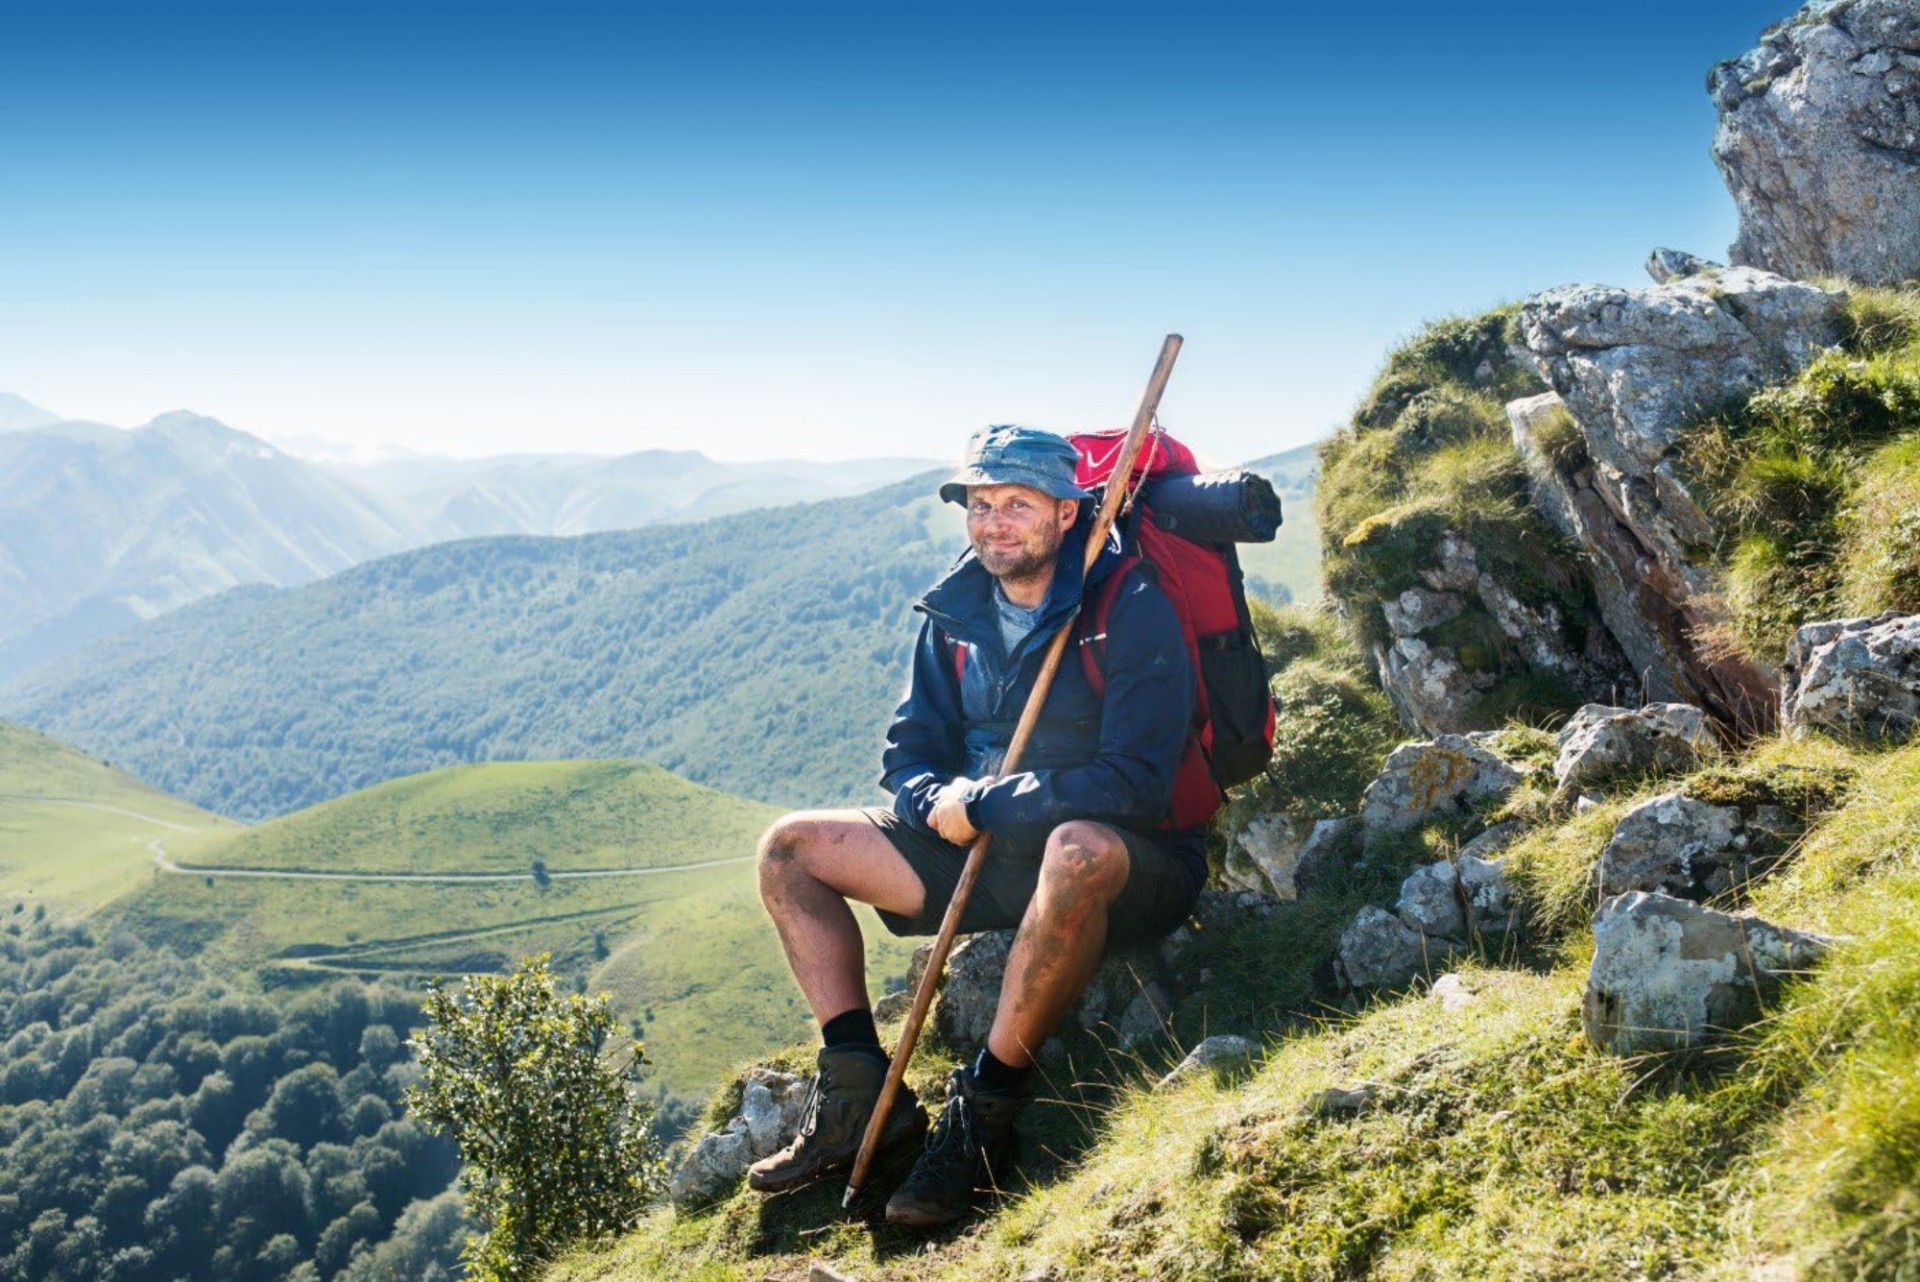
{"x": 167, "y": 864}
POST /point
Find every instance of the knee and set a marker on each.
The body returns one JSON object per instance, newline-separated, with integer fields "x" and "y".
{"x": 1084, "y": 859}
{"x": 783, "y": 849}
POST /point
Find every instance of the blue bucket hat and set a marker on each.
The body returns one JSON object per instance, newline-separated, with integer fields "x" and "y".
{"x": 1008, "y": 454}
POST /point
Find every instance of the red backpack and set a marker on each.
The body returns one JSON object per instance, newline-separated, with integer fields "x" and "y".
{"x": 1233, "y": 710}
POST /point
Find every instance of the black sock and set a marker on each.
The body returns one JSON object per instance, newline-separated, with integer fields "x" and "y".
{"x": 850, "y": 1029}
{"x": 996, "y": 1078}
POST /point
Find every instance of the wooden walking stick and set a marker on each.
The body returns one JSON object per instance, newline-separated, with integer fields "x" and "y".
{"x": 1116, "y": 492}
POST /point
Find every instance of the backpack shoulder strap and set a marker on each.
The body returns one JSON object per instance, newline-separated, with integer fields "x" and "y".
{"x": 1092, "y": 641}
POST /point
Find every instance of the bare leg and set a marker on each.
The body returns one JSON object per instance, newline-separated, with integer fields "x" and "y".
{"x": 811, "y": 863}
{"x": 1061, "y": 937}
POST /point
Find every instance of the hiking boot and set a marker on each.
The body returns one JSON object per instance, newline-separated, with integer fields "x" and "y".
{"x": 839, "y": 1103}
{"x": 969, "y": 1150}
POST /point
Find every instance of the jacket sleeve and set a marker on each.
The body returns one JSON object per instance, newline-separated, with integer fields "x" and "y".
{"x": 926, "y": 744}
{"x": 1144, "y": 723}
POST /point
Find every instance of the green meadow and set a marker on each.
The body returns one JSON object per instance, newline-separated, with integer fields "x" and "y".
{"x": 686, "y": 952}
{"x": 75, "y": 833}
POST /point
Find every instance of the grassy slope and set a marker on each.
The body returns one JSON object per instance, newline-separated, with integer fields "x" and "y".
{"x": 689, "y": 954}
{"x": 73, "y": 830}
{"x": 1502, "y": 1146}
{"x": 499, "y": 817}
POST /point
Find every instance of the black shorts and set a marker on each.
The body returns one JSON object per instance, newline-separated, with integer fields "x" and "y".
{"x": 1162, "y": 883}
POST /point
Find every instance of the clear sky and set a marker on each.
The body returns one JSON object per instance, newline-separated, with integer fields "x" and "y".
{"x": 813, "y": 229}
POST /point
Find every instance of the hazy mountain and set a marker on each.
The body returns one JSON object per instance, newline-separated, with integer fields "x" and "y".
{"x": 17, "y": 415}
{"x": 760, "y": 653}
{"x": 1294, "y": 470}
{"x": 582, "y": 494}
{"x": 101, "y": 527}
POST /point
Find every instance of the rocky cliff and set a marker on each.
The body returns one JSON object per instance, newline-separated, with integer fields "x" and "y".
{"x": 1679, "y": 473}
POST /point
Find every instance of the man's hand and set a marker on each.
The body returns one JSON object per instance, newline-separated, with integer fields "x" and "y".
{"x": 949, "y": 814}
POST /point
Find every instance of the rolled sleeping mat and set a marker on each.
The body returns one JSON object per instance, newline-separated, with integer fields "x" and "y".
{"x": 1215, "y": 507}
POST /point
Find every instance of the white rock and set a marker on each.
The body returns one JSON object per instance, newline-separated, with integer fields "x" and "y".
{"x": 1668, "y": 973}
{"x": 1854, "y": 676}
{"x": 1422, "y": 781}
{"x": 1453, "y": 993}
{"x": 1602, "y": 743}
{"x": 712, "y": 1165}
{"x": 1219, "y": 1055}
{"x": 1430, "y": 902}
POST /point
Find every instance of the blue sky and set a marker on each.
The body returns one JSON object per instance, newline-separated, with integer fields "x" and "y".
{"x": 815, "y": 230}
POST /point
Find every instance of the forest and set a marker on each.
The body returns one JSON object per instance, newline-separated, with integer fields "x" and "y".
{"x": 158, "y": 1121}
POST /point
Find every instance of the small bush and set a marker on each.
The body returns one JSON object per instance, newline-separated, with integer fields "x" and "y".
{"x": 557, "y": 1146}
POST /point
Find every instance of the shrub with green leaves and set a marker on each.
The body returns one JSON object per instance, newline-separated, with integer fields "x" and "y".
{"x": 558, "y": 1147}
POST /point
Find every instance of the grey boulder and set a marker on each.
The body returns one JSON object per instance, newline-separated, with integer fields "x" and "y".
{"x": 1447, "y": 776}
{"x": 1854, "y": 676}
{"x": 1819, "y": 142}
{"x": 1600, "y": 743}
{"x": 1378, "y": 951}
{"x": 1676, "y": 845}
{"x": 1636, "y": 366}
{"x": 1668, "y": 974}
{"x": 1218, "y": 1056}
{"x": 1670, "y": 264}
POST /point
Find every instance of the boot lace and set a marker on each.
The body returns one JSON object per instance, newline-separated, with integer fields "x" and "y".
{"x": 954, "y": 1134}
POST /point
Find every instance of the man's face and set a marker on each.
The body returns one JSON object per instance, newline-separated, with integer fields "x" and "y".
{"x": 1016, "y": 530}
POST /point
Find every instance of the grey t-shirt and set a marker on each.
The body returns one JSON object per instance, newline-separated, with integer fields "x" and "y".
{"x": 1015, "y": 622}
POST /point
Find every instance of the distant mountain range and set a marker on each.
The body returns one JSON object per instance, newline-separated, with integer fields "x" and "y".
{"x": 101, "y": 528}
{"x": 760, "y": 653}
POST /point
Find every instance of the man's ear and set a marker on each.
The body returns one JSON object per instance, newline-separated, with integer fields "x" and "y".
{"x": 1068, "y": 513}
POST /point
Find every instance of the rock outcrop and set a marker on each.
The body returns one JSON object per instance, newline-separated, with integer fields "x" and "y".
{"x": 1447, "y": 776}
{"x": 1669, "y": 974}
{"x": 1676, "y": 845}
{"x": 1854, "y": 676}
{"x": 1437, "y": 688}
{"x": 1443, "y": 908}
{"x": 1602, "y": 743}
{"x": 1819, "y": 142}
{"x": 1633, "y": 368}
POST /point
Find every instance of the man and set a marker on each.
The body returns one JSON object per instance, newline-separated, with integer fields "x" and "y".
{"x": 1077, "y": 860}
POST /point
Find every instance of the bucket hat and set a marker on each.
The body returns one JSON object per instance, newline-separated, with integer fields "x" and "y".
{"x": 1008, "y": 454}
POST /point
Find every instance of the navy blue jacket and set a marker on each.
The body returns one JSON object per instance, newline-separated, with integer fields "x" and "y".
{"x": 1110, "y": 760}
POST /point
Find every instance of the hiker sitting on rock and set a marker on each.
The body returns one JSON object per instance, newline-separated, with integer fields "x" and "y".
{"x": 1079, "y": 859}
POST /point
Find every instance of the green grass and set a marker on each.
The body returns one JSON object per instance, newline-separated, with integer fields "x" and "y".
{"x": 499, "y": 817}
{"x": 1816, "y": 483}
{"x": 688, "y": 955}
{"x": 74, "y": 831}
{"x": 1499, "y": 1144}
